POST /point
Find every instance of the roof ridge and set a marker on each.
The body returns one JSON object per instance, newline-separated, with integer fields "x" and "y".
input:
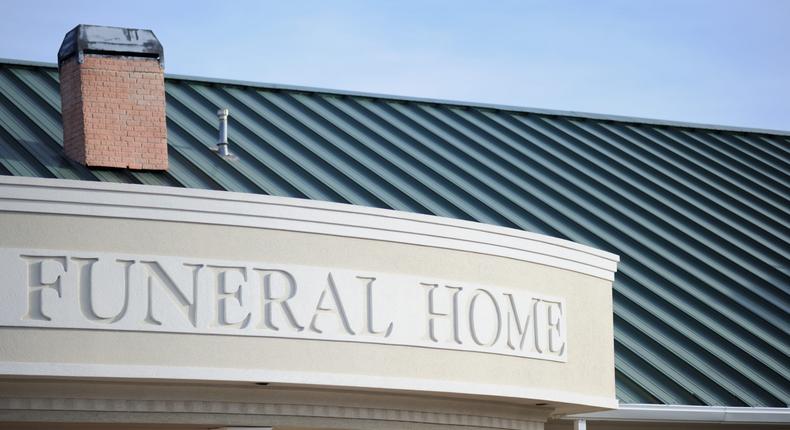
{"x": 457, "y": 103}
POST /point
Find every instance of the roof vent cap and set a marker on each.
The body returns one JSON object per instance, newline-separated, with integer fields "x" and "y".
{"x": 222, "y": 142}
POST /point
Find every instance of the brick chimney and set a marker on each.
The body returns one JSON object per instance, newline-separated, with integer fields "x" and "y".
{"x": 112, "y": 93}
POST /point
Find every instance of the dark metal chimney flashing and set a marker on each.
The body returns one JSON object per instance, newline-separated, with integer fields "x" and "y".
{"x": 96, "y": 39}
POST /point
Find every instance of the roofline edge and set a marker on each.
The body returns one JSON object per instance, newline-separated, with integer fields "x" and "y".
{"x": 458, "y": 103}
{"x": 690, "y": 414}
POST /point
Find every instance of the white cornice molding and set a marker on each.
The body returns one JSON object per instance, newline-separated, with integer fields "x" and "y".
{"x": 146, "y": 202}
{"x": 561, "y": 399}
{"x": 691, "y": 414}
{"x": 302, "y": 410}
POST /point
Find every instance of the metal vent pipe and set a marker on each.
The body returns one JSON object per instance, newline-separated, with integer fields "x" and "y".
{"x": 222, "y": 144}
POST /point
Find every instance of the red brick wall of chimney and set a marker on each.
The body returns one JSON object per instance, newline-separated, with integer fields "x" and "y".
{"x": 114, "y": 112}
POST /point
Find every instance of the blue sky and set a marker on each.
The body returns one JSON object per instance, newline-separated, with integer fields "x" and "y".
{"x": 709, "y": 61}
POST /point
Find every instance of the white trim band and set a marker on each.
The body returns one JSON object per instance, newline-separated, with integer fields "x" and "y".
{"x": 83, "y": 198}
{"x": 97, "y": 406}
{"x": 425, "y": 386}
{"x": 691, "y": 414}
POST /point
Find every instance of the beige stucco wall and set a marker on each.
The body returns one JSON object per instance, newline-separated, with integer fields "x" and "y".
{"x": 588, "y": 373}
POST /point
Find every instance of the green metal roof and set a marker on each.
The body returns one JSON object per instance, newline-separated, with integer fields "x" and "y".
{"x": 698, "y": 214}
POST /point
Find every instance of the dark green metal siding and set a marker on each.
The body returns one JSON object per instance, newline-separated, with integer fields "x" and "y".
{"x": 699, "y": 216}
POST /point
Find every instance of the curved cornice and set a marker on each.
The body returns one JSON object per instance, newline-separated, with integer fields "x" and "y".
{"x": 83, "y": 198}
{"x": 201, "y": 407}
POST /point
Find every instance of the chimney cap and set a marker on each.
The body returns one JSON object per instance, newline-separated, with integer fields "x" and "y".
{"x": 97, "y": 39}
